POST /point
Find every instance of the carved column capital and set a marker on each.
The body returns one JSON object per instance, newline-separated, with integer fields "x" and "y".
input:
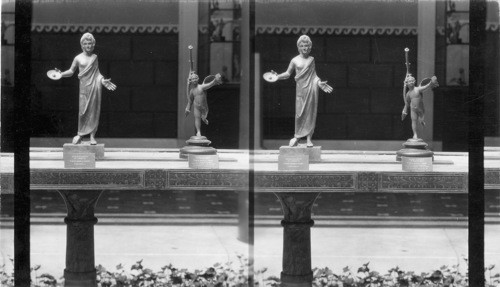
{"x": 80, "y": 204}
{"x": 297, "y": 206}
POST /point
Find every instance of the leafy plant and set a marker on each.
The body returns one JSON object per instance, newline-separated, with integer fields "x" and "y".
{"x": 235, "y": 274}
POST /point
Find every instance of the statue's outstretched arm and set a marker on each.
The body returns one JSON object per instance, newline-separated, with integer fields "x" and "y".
{"x": 69, "y": 72}
{"x": 325, "y": 87}
{"x": 406, "y": 100}
{"x": 285, "y": 75}
{"x": 216, "y": 81}
{"x": 190, "y": 99}
{"x": 108, "y": 84}
{"x": 432, "y": 84}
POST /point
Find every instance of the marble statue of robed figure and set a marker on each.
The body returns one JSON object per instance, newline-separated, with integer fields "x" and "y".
{"x": 307, "y": 90}
{"x": 91, "y": 82}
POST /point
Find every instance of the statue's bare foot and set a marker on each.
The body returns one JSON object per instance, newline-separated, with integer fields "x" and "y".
{"x": 77, "y": 139}
{"x": 92, "y": 140}
{"x": 294, "y": 142}
{"x": 205, "y": 121}
{"x": 198, "y": 134}
{"x": 310, "y": 144}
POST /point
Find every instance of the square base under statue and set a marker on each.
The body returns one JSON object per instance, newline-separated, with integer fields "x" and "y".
{"x": 203, "y": 161}
{"x": 298, "y": 158}
{"x": 314, "y": 152}
{"x": 82, "y": 155}
{"x": 85, "y": 147}
{"x": 416, "y": 164}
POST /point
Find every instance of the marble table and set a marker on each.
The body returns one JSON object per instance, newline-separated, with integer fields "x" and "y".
{"x": 239, "y": 170}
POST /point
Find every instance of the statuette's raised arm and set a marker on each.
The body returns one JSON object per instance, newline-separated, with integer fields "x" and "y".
{"x": 433, "y": 83}
{"x": 216, "y": 81}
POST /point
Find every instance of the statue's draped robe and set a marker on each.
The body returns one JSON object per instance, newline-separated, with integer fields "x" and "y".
{"x": 90, "y": 98}
{"x": 306, "y": 103}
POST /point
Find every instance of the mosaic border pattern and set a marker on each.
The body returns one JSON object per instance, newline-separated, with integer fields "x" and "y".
{"x": 195, "y": 179}
{"x": 335, "y": 30}
{"x": 260, "y": 29}
{"x": 99, "y": 28}
{"x": 492, "y": 179}
{"x": 423, "y": 182}
{"x": 7, "y": 183}
{"x": 367, "y": 181}
{"x": 159, "y": 179}
{"x": 155, "y": 179}
{"x": 274, "y": 181}
{"x": 87, "y": 179}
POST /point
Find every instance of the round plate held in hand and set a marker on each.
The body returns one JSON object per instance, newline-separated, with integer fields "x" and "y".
{"x": 54, "y": 75}
{"x": 270, "y": 77}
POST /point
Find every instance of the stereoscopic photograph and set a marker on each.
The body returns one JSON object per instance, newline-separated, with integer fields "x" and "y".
{"x": 250, "y": 143}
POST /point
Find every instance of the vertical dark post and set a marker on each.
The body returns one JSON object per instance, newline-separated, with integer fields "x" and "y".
{"x": 80, "y": 256}
{"x": 297, "y": 223}
{"x": 475, "y": 101}
{"x": 22, "y": 83}
{"x": 247, "y": 119}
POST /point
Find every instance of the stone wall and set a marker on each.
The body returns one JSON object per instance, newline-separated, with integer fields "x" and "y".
{"x": 144, "y": 67}
{"x": 367, "y": 72}
{"x": 492, "y": 81}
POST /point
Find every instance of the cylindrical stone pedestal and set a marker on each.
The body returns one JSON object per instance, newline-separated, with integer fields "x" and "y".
{"x": 297, "y": 254}
{"x": 80, "y": 263}
{"x": 80, "y": 256}
{"x": 243, "y": 223}
{"x": 197, "y": 145}
{"x": 297, "y": 223}
{"x": 414, "y": 148}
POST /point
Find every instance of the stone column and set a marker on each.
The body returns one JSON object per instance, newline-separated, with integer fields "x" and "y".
{"x": 297, "y": 222}
{"x": 188, "y": 35}
{"x": 426, "y": 55}
{"x": 80, "y": 258}
{"x": 497, "y": 142}
{"x": 258, "y": 130}
{"x": 246, "y": 88}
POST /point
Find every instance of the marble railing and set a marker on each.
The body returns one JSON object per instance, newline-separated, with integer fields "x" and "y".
{"x": 265, "y": 181}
